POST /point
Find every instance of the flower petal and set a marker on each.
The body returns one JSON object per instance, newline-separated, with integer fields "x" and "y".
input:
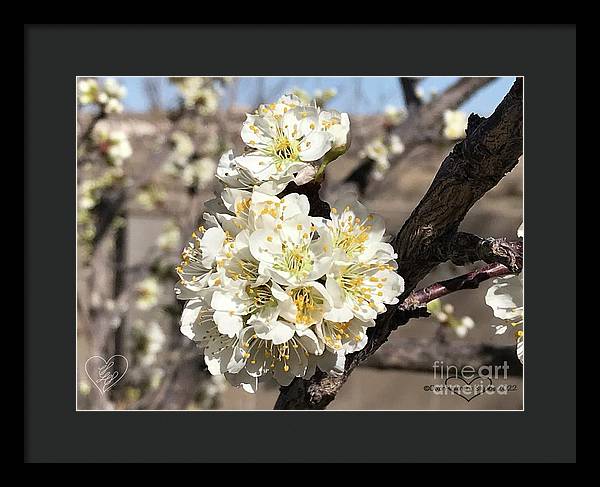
{"x": 315, "y": 145}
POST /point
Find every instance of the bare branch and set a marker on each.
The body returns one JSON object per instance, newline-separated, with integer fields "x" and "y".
{"x": 451, "y": 99}
{"x": 424, "y": 125}
{"x": 471, "y": 280}
{"x": 85, "y": 138}
{"x": 475, "y": 165}
{"x": 420, "y": 355}
{"x": 409, "y": 90}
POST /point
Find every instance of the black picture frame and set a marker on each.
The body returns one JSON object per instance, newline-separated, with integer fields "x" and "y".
{"x": 55, "y": 432}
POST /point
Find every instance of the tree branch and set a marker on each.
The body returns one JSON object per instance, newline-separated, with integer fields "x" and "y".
{"x": 466, "y": 248}
{"x": 490, "y": 150}
{"x": 451, "y": 99}
{"x": 424, "y": 123}
{"x": 420, "y": 355}
{"x": 440, "y": 289}
{"x": 475, "y": 165}
{"x": 409, "y": 90}
{"x": 86, "y": 137}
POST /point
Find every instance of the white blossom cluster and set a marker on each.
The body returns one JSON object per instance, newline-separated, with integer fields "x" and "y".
{"x": 198, "y": 93}
{"x": 199, "y": 172}
{"x": 184, "y": 162}
{"x": 380, "y": 151}
{"x": 286, "y": 141}
{"x": 505, "y": 297}
{"x": 108, "y": 96}
{"x": 112, "y": 144}
{"x": 183, "y": 149}
{"x": 270, "y": 289}
{"x": 444, "y": 314}
{"x": 393, "y": 115}
{"x": 169, "y": 239}
{"x": 149, "y": 341}
{"x": 426, "y": 96}
{"x": 90, "y": 192}
{"x": 151, "y": 196}
{"x": 147, "y": 293}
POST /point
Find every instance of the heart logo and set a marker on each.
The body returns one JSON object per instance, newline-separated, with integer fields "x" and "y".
{"x": 105, "y": 374}
{"x": 468, "y": 390}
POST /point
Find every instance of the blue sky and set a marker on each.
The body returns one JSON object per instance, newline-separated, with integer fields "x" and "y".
{"x": 355, "y": 95}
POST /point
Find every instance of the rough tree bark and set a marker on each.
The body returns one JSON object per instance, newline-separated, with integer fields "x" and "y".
{"x": 490, "y": 150}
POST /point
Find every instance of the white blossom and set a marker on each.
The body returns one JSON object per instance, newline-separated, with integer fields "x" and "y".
{"x": 150, "y": 197}
{"x": 113, "y": 106}
{"x": 380, "y": 150}
{"x": 150, "y": 341}
{"x": 88, "y": 91}
{"x": 455, "y": 124}
{"x": 356, "y": 235}
{"x": 199, "y": 173}
{"x": 113, "y": 89}
{"x": 379, "y": 153}
{"x": 396, "y": 145}
{"x": 349, "y": 336}
{"x": 521, "y": 346}
{"x": 305, "y": 304}
{"x": 505, "y": 297}
{"x": 84, "y": 387}
{"x": 146, "y": 293}
{"x": 199, "y": 258}
{"x": 156, "y": 377}
{"x": 465, "y": 324}
{"x": 426, "y": 96}
{"x": 88, "y": 198}
{"x": 337, "y": 125}
{"x": 303, "y": 95}
{"x": 394, "y": 115}
{"x": 278, "y": 349}
{"x": 183, "y": 149}
{"x": 283, "y": 138}
{"x": 235, "y": 176}
{"x": 291, "y": 251}
{"x": 169, "y": 239}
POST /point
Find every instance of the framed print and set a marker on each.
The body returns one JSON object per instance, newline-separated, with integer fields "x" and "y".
{"x": 252, "y": 246}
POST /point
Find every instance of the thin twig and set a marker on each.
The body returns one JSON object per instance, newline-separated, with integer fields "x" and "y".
{"x": 471, "y": 280}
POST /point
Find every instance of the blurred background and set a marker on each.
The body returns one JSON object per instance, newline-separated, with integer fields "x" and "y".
{"x": 147, "y": 153}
